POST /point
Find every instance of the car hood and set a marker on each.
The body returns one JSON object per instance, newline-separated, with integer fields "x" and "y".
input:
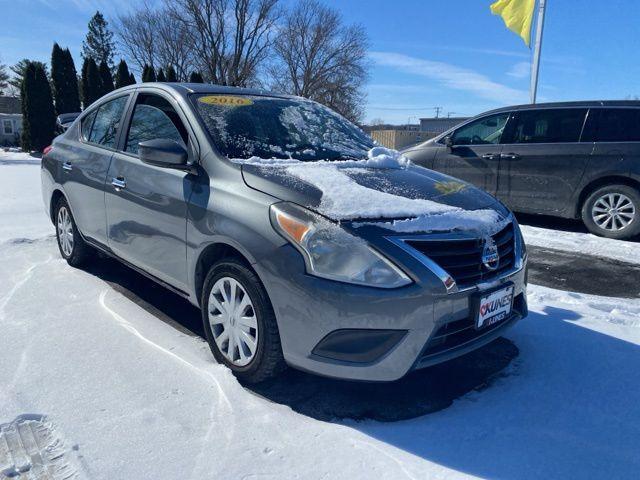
{"x": 351, "y": 191}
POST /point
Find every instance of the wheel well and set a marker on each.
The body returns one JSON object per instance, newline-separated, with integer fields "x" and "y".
{"x": 55, "y": 197}
{"x": 601, "y": 182}
{"x": 211, "y": 255}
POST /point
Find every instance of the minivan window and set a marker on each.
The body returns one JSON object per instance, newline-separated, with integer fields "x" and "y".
{"x": 617, "y": 124}
{"x": 154, "y": 117}
{"x": 562, "y": 125}
{"x": 485, "y": 131}
{"x": 270, "y": 127}
{"x": 105, "y": 125}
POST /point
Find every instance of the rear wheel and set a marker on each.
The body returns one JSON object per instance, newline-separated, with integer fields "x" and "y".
{"x": 72, "y": 246}
{"x": 613, "y": 211}
{"x": 239, "y": 322}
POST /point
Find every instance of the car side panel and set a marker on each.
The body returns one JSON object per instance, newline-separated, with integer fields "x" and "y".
{"x": 476, "y": 164}
{"x": 542, "y": 178}
{"x": 81, "y": 172}
{"x": 147, "y": 218}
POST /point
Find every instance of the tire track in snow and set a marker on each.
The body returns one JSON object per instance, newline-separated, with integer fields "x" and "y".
{"x": 130, "y": 328}
{"x": 214, "y": 414}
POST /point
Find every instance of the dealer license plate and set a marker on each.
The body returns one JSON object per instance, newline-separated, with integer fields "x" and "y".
{"x": 494, "y": 307}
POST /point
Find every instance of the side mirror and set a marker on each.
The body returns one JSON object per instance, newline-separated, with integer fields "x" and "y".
{"x": 448, "y": 142}
{"x": 163, "y": 152}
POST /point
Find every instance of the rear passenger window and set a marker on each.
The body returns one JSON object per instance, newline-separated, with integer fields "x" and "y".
{"x": 107, "y": 119}
{"x": 154, "y": 118}
{"x": 548, "y": 126}
{"x": 87, "y": 123}
{"x": 617, "y": 125}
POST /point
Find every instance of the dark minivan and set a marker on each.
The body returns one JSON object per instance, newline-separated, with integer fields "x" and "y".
{"x": 571, "y": 160}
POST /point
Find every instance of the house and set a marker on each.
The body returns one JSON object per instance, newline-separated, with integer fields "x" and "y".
{"x": 10, "y": 121}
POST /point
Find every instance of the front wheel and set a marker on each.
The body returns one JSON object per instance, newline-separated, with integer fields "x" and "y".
{"x": 72, "y": 246}
{"x": 613, "y": 211}
{"x": 239, "y": 322}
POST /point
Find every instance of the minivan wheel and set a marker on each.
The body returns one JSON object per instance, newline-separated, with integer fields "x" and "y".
{"x": 72, "y": 246}
{"x": 239, "y": 322}
{"x": 613, "y": 211}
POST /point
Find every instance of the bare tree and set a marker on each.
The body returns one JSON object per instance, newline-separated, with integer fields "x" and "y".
{"x": 231, "y": 38}
{"x": 151, "y": 36}
{"x": 320, "y": 58}
{"x": 137, "y": 34}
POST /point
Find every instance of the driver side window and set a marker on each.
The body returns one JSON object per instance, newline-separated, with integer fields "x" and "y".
{"x": 153, "y": 118}
{"x": 485, "y": 131}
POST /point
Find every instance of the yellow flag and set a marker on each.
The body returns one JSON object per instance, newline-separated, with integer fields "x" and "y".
{"x": 517, "y": 16}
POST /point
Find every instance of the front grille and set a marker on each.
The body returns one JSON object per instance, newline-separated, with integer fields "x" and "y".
{"x": 462, "y": 258}
{"x": 459, "y": 332}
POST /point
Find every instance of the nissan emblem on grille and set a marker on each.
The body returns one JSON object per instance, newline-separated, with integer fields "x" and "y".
{"x": 490, "y": 257}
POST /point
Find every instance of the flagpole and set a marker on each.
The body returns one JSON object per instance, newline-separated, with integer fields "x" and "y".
{"x": 535, "y": 66}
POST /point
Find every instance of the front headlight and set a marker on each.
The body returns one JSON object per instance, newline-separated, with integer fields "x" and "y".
{"x": 331, "y": 252}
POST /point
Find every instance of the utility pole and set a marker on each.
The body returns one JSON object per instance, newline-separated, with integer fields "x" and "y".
{"x": 450, "y": 113}
{"x": 535, "y": 66}
{"x": 438, "y": 110}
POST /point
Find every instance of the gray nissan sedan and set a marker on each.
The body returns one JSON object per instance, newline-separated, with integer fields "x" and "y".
{"x": 302, "y": 242}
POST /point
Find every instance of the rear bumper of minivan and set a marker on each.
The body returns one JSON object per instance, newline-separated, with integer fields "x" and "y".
{"x": 360, "y": 333}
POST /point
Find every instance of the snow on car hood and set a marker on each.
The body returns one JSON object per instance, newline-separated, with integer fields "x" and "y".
{"x": 386, "y": 189}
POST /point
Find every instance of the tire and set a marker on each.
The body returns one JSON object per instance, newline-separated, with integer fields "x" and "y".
{"x": 72, "y": 246}
{"x": 622, "y": 221}
{"x": 255, "y": 322}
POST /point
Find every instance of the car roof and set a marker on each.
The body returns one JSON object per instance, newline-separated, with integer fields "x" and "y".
{"x": 184, "y": 89}
{"x": 584, "y": 103}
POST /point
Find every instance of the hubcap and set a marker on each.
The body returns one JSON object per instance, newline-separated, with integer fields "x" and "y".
{"x": 233, "y": 321}
{"x": 613, "y": 211}
{"x": 65, "y": 231}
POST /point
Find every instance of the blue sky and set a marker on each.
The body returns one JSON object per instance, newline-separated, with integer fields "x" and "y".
{"x": 424, "y": 53}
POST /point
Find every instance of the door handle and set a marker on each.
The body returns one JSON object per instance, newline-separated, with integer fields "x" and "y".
{"x": 490, "y": 156}
{"x": 119, "y": 183}
{"x": 510, "y": 156}
{"x": 66, "y": 166}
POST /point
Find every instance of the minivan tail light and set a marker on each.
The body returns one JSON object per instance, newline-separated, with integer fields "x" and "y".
{"x": 47, "y": 149}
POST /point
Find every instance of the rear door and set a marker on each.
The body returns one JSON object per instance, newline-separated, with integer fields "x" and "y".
{"x": 147, "y": 204}
{"x": 543, "y": 161}
{"x": 475, "y": 153}
{"x": 85, "y": 166}
{"x": 616, "y": 133}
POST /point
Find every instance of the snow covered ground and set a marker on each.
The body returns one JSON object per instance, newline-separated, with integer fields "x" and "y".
{"x": 129, "y": 396}
{"x": 582, "y": 243}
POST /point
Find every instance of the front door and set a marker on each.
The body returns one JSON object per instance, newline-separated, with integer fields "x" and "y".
{"x": 146, "y": 204}
{"x": 543, "y": 160}
{"x": 474, "y": 155}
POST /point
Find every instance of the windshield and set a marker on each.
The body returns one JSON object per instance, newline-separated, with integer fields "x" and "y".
{"x": 245, "y": 126}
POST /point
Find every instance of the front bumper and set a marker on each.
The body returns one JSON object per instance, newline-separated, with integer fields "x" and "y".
{"x": 308, "y": 309}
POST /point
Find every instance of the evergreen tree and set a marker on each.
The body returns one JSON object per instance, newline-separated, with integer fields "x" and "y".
{"x": 4, "y": 77}
{"x": 38, "y": 114}
{"x": 196, "y": 77}
{"x": 64, "y": 81}
{"x": 171, "y": 74}
{"x": 18, "y": 71}
{"x": 123, "y": 77}
{"x": 161, "y": 77}
{"x": 73, "y": 95}
{"x": 148, "y": 74}
{"x": 99, "y": 43}
{"x": 132, "y": 79}
{"x": 106, "y": 80}
{"x": 91, "y": 84}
